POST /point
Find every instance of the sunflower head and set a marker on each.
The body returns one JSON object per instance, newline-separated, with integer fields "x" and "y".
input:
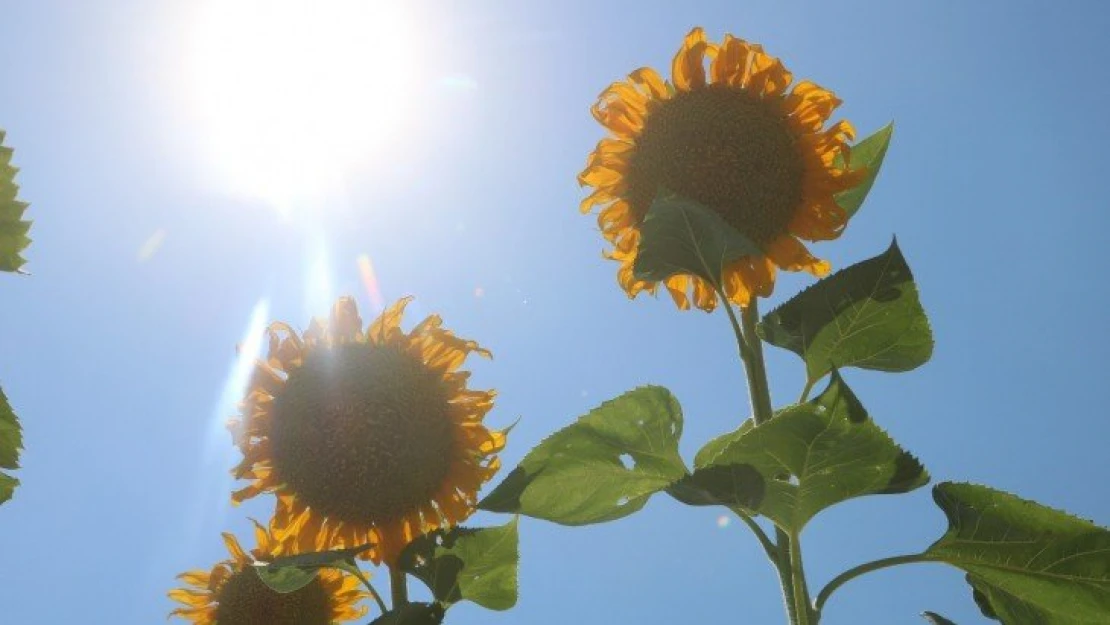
{"x": 232, "y": 593}
{"x": 737, "y": 139}
{"x": 367, "y": 435}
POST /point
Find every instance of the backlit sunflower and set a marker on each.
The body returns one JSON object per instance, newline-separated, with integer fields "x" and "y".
{"x": 366, "y": 436}
{"x": 738, "y": 140}
{"x": 233, "y": 594}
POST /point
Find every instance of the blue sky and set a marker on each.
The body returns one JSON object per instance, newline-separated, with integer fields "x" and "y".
{"x": 120, "y": 359}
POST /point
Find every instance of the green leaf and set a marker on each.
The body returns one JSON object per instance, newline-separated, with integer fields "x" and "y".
{"x": 981, "y": 601}
{"x": 318, "y": 559}
{"x": 731, "y": 485}
{"x": 412, "y": 614}
{"x": 868, "y": 154}
{"x": 681, "y": 236}
{"x": 285, "y": 579}
{"x": 11, "y": 442}
{"x": 816, "y": 455}
{"x": 13, "y": 229}
{"x": 1027, "y": 564}
{"x": 478, "y": 565}
{"x": 865, "y": 316}
{"x": 291, "y": 573}
{"x": 936, "y": 619}
{"x": 603, "y": 467}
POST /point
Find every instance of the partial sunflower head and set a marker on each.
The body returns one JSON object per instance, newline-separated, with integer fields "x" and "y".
{"x": 367, "y": 436}
{"x": 232, "y": 593}
{"x": 737, "y": 139}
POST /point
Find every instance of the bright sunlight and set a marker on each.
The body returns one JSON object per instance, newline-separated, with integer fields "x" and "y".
{"x": 293, "y": 94}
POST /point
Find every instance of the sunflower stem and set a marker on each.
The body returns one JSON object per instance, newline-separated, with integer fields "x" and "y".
{"x": 803, "y": 608}
{"x": 398, "y": 587}
{"x": 757, "y": 370}
{"x": 761, "y": 401}
{"x": 373, "y": 591}
{"x": 785, "y": 554}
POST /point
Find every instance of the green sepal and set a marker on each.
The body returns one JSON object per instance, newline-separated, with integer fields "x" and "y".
{"x": 1026, "y": 563}
{"x": 13, "y": 228}
{"x": 11, "y": 443}
{"x": 867, "y": 154}
{"x": 867, "y": 316}
{"x": 681, "y": 236}
{"x": 576, "y": 476}
{"x": 936, "y": 619}
{"x": 730, "y": 485}
{"x": 475, "y": 564}
{"x": 285, "y": 579}
{"x": 291, "y": 573}
{"x": 815, "y": 455}
{"x": 413, "y": 614}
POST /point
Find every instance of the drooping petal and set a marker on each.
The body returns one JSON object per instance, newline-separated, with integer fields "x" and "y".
{"x": 688, "y": 68}
{"x": 789, "y": 253}
{"x": 650, "y": 79}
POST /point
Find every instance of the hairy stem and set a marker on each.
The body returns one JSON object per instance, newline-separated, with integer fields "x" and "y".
{"x": 786, "y": 574}
{"x": 862, "y": 569}
{"x": 751, "y": 352}
{"x": 741, "y": 348}
{"x": 757, "y": 370}
{"x": 803, "y": 609}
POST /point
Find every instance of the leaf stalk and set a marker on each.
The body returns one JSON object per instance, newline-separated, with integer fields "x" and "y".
{"x": 863, "y": 569}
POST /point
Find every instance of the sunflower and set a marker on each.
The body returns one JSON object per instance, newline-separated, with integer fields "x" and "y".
{"x": 233, "y": 594}
{"x": 366, "y": 437}
{"x": 738, "y": 140}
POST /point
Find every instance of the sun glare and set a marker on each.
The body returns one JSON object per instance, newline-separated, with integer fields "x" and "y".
{"x": 293, "y": 94}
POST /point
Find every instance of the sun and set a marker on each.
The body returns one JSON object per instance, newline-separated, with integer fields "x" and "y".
{"x": 293, "y": 94}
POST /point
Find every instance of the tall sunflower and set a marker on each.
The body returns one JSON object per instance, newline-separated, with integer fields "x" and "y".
{"x": 366, "y": 437}
{"x": 738, "y": 140}
{"x": 233, "y": 594}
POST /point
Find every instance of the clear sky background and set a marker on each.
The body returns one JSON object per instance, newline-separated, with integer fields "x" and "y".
{"x": 151, "y": 255}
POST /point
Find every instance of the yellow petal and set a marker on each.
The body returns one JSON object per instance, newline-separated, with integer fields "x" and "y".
{"x": 789, "y": 253}
{"x": 194, "y": 598}
{"x": 705, "y": 298}
{"x": 688, "y": 67}
{"x": 600, "y": 177}
{"x": 730, "y": 65}
{"x": 768, "y": 76}
{"x": 388, "y": 325}
{"x": 651, "y": 80}
{"x": 345, "y": 323}
{"x": 234, "y": 549}
{"x": 677, "y": 285}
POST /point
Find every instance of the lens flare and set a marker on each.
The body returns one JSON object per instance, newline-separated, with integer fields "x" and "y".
{"x": 151, "y": 245}
{"x": 218, "y": 454}
{"x": 370, "y": 282}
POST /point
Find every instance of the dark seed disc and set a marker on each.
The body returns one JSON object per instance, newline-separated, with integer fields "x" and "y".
{"x": 362, "y": 432}
{"x": 245, "y": 599}
{"x": 726, "y": 149}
